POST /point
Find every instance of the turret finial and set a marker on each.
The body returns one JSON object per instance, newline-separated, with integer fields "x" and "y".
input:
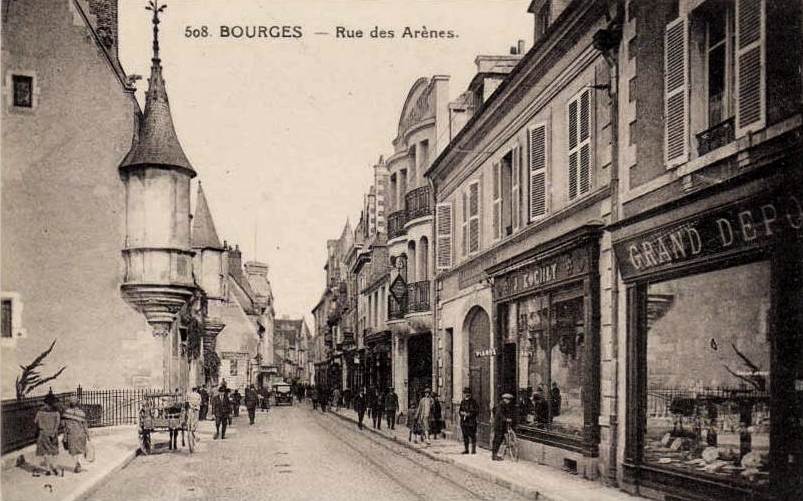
{"x": 153, "y": 5}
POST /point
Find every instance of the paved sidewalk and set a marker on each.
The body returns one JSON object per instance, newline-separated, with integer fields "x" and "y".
{"x": 524, "y": 477}
{"x": 115, "y": 447}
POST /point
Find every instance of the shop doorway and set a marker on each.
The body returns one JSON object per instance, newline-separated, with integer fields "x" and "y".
{"x": 419, "y": 363}
{"x": 509, "y": 370}
{"x": 478, "y": 327}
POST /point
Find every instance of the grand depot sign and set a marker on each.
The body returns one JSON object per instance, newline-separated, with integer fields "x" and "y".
{"x": 731, "y": 229}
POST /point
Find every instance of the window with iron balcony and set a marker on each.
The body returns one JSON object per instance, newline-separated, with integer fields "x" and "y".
{"x": 714, "y": 89}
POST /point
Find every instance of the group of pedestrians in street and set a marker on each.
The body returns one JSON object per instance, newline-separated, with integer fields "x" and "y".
{"x": 225, "y": 405}
{"x": 379, "y": 405}
{"x": 51, "y": 420}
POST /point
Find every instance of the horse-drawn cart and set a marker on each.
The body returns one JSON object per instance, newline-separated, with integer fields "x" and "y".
{"x": 168, "y": 412}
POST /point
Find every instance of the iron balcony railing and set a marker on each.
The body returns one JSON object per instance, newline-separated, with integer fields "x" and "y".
{"x": 716, "y": 137}
{"x": 418, "y": 296}
{"x": 418, "y": 203}
{"x": 396, "y": 222}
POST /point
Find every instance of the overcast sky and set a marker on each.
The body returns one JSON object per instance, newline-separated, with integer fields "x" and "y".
{"x": 283, "y": 132}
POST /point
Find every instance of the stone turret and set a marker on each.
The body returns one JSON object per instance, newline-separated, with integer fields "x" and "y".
{"x": 156, "y": 173}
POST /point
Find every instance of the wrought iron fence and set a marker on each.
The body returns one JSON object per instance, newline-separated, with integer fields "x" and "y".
{"x": 109, "y": 407}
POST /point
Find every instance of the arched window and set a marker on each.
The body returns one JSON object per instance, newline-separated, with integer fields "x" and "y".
{"x": 411, "y": 262}
{"x": 423, "y": 252}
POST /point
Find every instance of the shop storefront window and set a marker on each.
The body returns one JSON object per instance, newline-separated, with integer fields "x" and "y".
{"x": 708, "y": 372}
{"x": 551, "y": 334}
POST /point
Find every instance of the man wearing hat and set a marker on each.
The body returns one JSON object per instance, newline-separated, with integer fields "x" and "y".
{"x": 221, "y": 408}
{"x": 469, "y": 410}
{"x": 423, "y": 413}
{"x": 503, "y": 415}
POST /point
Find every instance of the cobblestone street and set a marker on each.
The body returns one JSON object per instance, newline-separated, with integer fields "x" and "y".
{"x": 294, "y": 453}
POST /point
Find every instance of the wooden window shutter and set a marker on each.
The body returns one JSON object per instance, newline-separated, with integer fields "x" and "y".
{"x": 473, "y": 217}
{"x": 443, "y": 215}
{"x": 584, "y": 168}
{"x": 579, "y": 121}
{"x": 515, "y": 205}
{"x": 537, "y": 167}
{"x": 676, "y": 93}
{"x": 464, "y": 226}
{"x": 750, "y": 66}
{"x": 497, "y": 200}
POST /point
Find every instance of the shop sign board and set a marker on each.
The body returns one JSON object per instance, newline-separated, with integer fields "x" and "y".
{"x": 541, "y": 273}
{"x": 399, "y": 288}
{"x": 737, "y": 227}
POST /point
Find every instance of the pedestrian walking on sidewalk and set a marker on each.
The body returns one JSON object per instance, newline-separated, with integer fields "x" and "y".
{"x": 314, "y": 397}
{"x": 391, "y": 408}
{"x": 204, "y": 410}
{"x": 336, "y": 399}
{"x": 236, "y": 398}
{"x": 323, "y": 397}
{"x": 423, "y": 414}
{"x": 251, "y": 401}
{"x": 221, "y": 408}
{"x": 47, "y": 420}
{"x": 469, "y": 410}
{"x": 503, "y": 417}
{"x": 379, "y": 409}
{"x": 76, "y": 433}
{"x": 437, "y": 416}
{"x": 359, "y": 406}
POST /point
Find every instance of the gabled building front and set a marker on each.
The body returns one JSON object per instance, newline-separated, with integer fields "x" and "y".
{"x": 69, "y": 117}
{"x": 522, "y": 196}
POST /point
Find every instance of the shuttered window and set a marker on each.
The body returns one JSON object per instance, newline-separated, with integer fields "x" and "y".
{"x": 537, "y": 170}
{"x": 676, "y": 93}
{"x": 497, "y": 200}
{"x": 473, "y": 217}
{"x": 514, "y": 188}
{"x": 579, "y": 121}
{"x": 750, "y": 65}
{"x": 464, "y": 226}
{"x": 443, "y": 226}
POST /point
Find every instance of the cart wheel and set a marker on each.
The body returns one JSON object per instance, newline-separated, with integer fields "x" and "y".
{"x": 191, "y": 440}
{"x": 145, "y": 442}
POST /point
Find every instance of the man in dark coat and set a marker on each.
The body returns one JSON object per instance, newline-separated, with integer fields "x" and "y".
{"x": 359, "y": 406}
{"x": 236, "y": 398}
{"x": 251, "y": 401}
{"x": 391, "y": 408}
{"x": 323, "y": 397}
{"x": 469, "y": 410}
{"x": 204, "y": 409}
{"x": 379, "y": 409}
{"x": 221, "y": 408}
{"x": 314, "y": 396}
{"x": 503, "y": 416}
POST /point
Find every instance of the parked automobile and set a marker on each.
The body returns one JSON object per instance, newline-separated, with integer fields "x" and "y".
{"x": 282, "y": 394}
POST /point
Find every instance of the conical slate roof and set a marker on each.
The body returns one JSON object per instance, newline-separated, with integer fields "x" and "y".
{"x": 158, "y": 143}
{"x": 204, "y": 235}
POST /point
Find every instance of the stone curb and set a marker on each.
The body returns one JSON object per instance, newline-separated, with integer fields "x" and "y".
{"x": 523, "y": 490}
{"x": 84, "y": 492}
